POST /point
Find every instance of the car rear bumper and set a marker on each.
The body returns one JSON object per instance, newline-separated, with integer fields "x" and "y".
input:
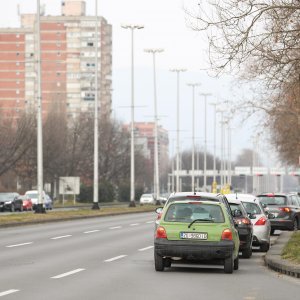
{"x": 194, "y": 250}
{"x": 282, "y": 224}
{"x": 261, "y": 235}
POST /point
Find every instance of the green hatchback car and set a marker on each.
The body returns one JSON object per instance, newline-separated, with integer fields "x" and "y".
{"x": 195, "y": 231}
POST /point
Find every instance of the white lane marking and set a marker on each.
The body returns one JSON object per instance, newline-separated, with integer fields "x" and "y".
{"x": 116, "y": 227}
{"x": 146, "y": 248}
{"x": 115, "y": 258}
{"x": 61, "y": 237}
{"x": 19, "y": 245}
{"x": 67, "y": 274}
{"x": 92, "y": 231}
{"x": 135, "y": 224}
{"x": 8, "y": 292}
{"x": 149, "y": 222}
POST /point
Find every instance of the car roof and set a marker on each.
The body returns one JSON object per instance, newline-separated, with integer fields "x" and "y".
{"x": 274, "y": 194}
{"x": 187, "y": 202}
{"x": 240, "y": 196}
{"x": 191, "y": 194}
{"x": 234, "y": 201}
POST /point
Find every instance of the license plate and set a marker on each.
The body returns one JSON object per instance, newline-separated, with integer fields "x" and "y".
{"x": 193, "y": 235}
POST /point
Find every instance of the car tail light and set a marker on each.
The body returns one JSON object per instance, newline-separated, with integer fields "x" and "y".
{"x": 270, "y": 195}
{"x": 261, "y": 221}
{"x": 226, "y": 234}
{"x": 244, "y": 221}
{"x": 285, "y": 209}
{"x": 161, "y": 233}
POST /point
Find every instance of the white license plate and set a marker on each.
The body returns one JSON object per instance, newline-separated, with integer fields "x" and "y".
{"x": 193, "y": 235}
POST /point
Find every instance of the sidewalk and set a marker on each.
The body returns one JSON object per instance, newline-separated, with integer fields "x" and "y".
{"x": 273, "y": 257}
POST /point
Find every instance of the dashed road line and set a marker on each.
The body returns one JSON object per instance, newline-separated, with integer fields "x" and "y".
{"x": 61, "y": 237}
{"x": 135, "y": 224}
{"x": 67, "y": 274}
{"x": 149, "y": 222}
{"x": 19, "y": 245}
{"x": 8, "y": 292}
{"x": 115, "y": 258}
{"x": 116, "y": 227}
{"x": 92, "y": 231}
{"x": 146, "y": 248}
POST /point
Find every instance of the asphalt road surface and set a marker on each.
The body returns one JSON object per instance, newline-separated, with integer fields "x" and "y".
{"x": 112, "y": 258}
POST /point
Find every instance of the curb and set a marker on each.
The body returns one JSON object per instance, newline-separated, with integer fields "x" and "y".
{"x": 274, "y": 261}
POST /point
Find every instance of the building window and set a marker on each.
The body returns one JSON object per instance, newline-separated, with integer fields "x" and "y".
{"x": 58, "y": 54}
{"x": 17, "y": 63}
{"x": 57, "y": 73}
{"x": 17, "y": 36}
{"x": 17, "y": 73}
{"x": 90, "y": 44}
{"x": 18, "y": 53}
{"x": 17, "y": 92}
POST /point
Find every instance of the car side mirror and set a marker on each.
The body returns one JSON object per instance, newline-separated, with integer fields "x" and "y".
{"x": 264, "y": 205}
{"x": 237, "y": 213}
{"x": 271, "y": 216}
{"x": 251, "y": 216}
{"x": 159, "y": 210}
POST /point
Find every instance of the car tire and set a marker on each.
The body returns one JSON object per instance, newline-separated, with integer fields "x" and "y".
{"x": 236, "y": 263}
{"x": 247, "y": 253}
{"x": 21, "y": 208}
{"x": 12, "y": 208}
{"x": 272, "y": 231}
{"x": 159, "y": 262}
{"x": 295, "y": 225}
{"x": 264, "y": 247}
{"x": 228, "y": 265}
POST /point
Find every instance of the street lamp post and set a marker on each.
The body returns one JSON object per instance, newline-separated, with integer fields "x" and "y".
{"x": 205, "y": 139}
{"x": 132, "y": 27}
{"x": 193, "y": 85}
{"x": 178, "y": 126}
{"x": 40, "y": 207}
{"x": 96, "y": 126}
{"x": 215, "y": 142}
{"x": 156, "y": 160}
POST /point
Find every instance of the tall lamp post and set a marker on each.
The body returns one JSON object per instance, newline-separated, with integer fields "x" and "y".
{"x": 205, "y": 138}
{"x": 156, "y": 164}
{"x": 193, "y": 85}
{"x": 215, "y": 146}
{"x": 178, "y": 71}
{"x": 96, "y": 130}
{"x": 40, "y": 206}
{"x": 132, "y": 27}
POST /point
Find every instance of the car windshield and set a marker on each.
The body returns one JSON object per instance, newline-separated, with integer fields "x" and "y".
{"x": 6, "y": 197}
{"x": 273, "y": 200}
{"x": 188, "y": 212}
{"x": 252, "y": 208}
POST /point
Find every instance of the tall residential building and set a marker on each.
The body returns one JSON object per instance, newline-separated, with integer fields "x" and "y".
{"x": 68, "y": 63}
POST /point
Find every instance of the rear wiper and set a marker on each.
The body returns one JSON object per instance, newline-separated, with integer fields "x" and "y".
{"x": 200, "y": 220}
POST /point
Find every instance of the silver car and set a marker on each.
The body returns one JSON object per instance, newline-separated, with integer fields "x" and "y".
{"x": 260, "y": 221}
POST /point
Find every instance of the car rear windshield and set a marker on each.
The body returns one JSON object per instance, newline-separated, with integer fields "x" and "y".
{"x": 252, "y": 208}
{"x": 273, "y": 200}
{"x": 188, "y": 212}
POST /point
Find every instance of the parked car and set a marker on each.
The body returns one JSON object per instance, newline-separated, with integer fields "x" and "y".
{"x": 147, "y": 199}
{"x": 196, "y": 231}
{"x": 10, "y": 202}
{"x": 33, "y": 196}
{"x": 284, "y": 208}
{"x": 244, "y": 226}
{"x": 27, "y": 203}
{"x": 259, "y": 219}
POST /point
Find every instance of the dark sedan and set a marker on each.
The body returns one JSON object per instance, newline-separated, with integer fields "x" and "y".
{"x": 244, "y": 227}
{"x": 284, "y": 208}
{"x": 10, "y": 202}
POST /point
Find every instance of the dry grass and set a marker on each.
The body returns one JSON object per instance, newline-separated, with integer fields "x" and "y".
{"x": 292, "y": 250}
{"x": 31, "y": 217}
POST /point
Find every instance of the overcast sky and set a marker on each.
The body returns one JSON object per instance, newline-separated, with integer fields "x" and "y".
{"x": 165, "y": 27}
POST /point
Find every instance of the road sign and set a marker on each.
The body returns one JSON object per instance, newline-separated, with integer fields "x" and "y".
{"x": 242, "y": 170}
{"x": 69, "y": 185}
{"x": 259, "y": 171}
{"x": 277, "y": 171}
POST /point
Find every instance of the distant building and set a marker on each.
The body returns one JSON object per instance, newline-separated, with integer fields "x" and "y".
{"x": 144, "y": 141}
{"x": 68, "y": 63}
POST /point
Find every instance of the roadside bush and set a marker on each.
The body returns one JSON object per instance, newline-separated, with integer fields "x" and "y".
{"x": 124, "y": 192}
{"x": 106, "y": 192}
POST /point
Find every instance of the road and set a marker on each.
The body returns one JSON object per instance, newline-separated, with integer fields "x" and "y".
{"x": 112, "y": 258}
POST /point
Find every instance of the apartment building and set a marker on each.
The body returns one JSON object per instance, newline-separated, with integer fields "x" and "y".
{"x": 67, "y": 63}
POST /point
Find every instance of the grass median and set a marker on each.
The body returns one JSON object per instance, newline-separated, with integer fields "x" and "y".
{"x": 292, "y": 249}
{"x": 31, "y": 217}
